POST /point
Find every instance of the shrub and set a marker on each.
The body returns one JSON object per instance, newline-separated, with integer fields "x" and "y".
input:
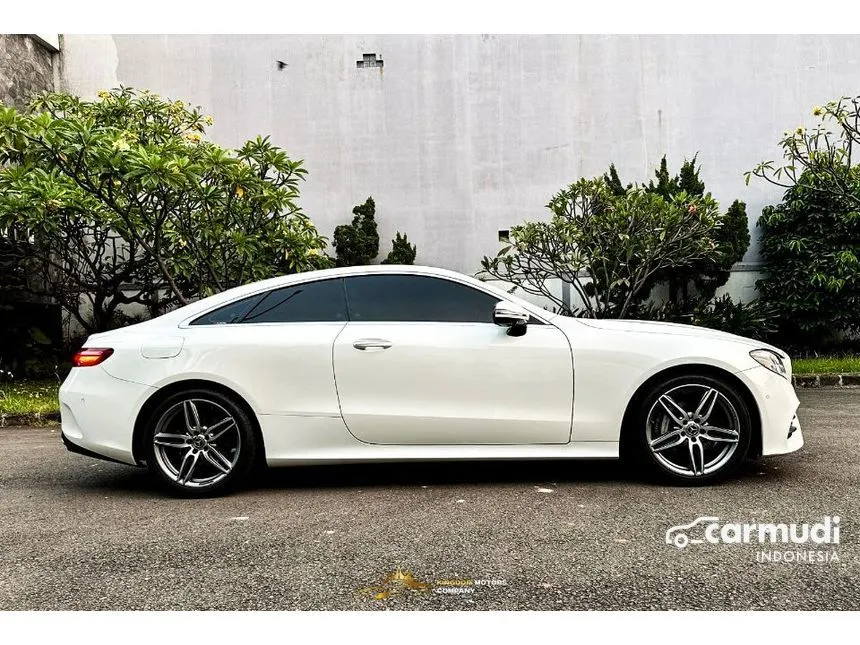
{"x": 357, "y": 244}
{"x": 402, "y": 252}
{"x": 31, "y": 339}
{"x": 756, "y": 319}
{"x": 811, "y": 240}
{"x": 811, "y": 244}
{"x": 30, "y": 331}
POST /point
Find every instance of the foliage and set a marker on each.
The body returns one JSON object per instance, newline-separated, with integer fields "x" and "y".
{"x": 755, "y": 319}
{"x": 607, "y": 244}
{"x": 811, "y": 240}
{"x": 811, "y": 243}
{"x": 694, "y": 284}
{"x": 31, "y": 338}
{"x": 820, "y": 160}
{"x": 69, "y": 251}
{"x": 133, "y": 172}
{"x": 30, "y": 330}
{"x": 357, "y": 244}
{"x": 402, "y": 252}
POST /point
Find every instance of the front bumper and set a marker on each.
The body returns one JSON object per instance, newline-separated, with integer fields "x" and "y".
{"x": 777, "y": 402}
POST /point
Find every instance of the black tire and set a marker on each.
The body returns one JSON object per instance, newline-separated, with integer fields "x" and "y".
{"x": 710, "y": 449}
{"x": 201, "y": 451}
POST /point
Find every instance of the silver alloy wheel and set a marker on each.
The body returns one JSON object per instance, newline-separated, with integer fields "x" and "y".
{"x": 197, "y": 443}
{"x": 693, "y": 429}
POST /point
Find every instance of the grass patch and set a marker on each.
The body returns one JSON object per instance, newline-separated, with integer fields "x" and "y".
{"x": 827, "y": 365}
{"x": 29, "y": 397}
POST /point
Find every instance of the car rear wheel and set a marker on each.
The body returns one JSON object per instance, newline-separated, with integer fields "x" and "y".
{"x": 693, "y": 430}
{"x": 200, "y": 443}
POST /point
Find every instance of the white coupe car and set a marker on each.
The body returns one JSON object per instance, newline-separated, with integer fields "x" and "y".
{"x": 395, "y": 363}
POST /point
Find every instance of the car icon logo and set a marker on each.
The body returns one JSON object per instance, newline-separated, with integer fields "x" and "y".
{"x": 678, "y": 535}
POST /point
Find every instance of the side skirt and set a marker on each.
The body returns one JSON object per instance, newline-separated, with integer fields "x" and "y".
{"x": 293, "y": 440}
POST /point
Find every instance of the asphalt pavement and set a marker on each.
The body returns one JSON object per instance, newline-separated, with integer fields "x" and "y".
{"x": 77, "y": 533}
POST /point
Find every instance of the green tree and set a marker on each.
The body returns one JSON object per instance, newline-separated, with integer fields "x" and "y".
{"x": 693, "y": 285}
{"x": 811, "y": 244}
{"x": 357, "y": 244}
{"x": 193, "y": 217}
{"x": 68, "y": 251}
{"x": 402, "y": 252}
{"x": 608, "y": 246}
{"x": 811, "y": 240}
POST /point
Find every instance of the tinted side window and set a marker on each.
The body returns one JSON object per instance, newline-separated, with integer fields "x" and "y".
{"x": 416, "y": 298}
{"x": 229, "y": 314}
{"x": 321, "y": 301}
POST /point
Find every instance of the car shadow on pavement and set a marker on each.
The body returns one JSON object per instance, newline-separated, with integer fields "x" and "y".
{"x": 107, "y": 478}
{"x": 443, "y": 473}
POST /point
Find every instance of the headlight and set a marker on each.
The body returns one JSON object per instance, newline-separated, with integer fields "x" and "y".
{"x": 770, "y": 360}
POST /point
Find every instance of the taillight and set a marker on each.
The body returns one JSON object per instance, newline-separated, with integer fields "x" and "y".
{"x": 89, "y": 356}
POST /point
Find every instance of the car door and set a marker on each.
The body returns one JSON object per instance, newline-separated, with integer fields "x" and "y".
{"x": 421, "y": 362}
{"x": 277, "y": 345}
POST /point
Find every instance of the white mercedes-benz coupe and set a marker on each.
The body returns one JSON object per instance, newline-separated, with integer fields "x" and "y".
{"x": 399, "y": 363}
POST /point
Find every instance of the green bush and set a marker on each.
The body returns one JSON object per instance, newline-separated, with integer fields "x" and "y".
{"x": 756, "y": 319}
{"x": 357, "y": 244}
{"x": 402, "y": 252}
{"x": 811, "y": 244}
{"x": 811, "y": 240}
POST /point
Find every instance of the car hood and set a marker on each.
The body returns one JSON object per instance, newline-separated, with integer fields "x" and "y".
{"x": 673, "y": 329}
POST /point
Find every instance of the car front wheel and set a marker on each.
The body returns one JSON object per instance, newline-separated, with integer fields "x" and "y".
{"x": 693, "y": 430}
{"x": 200, "y": 443}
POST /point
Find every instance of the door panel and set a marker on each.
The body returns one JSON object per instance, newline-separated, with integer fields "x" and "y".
{"x": 285, "y": 368}
{"x": 454, "y": 383}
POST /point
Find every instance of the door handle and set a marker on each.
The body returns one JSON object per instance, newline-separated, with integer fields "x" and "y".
{"x": 371, "y": 343}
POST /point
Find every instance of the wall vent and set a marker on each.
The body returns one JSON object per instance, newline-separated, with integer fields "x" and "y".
{"x": 369, "y": 60}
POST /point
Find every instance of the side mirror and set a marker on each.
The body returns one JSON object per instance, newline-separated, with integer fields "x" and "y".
{"x": 509, "y": 315}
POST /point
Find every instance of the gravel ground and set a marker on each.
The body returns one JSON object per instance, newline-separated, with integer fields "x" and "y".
{"x": 83, "y": 534}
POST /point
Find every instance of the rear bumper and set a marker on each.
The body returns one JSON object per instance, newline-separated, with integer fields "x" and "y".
{"x": 78, "y": 450}
{"x": 98, "y": 413}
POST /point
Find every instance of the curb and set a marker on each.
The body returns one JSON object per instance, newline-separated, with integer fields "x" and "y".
{"x": 35, "y": 419}
{"x": 826, "y": 380}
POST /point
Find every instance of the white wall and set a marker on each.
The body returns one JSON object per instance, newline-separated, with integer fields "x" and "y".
{"x": 457, "y": 137}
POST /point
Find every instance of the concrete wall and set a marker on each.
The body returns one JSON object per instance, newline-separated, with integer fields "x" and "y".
{"x": 457, "y": 137}
{"x": 26, "y": 68}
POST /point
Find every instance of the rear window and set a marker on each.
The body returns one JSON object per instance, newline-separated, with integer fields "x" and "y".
{"x": 229, "y": 314}
{"x": 321, "y": 301}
